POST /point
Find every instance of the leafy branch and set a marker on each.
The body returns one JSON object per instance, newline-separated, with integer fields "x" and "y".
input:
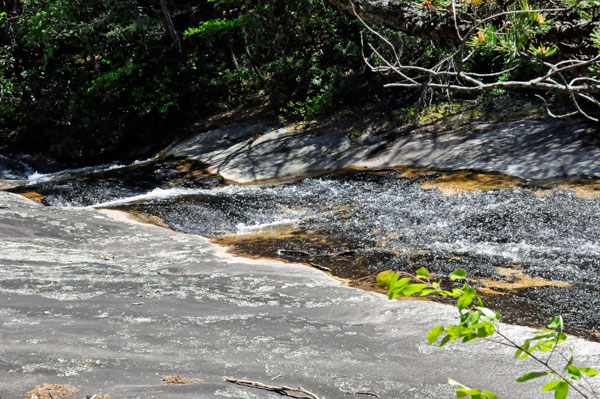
{"x": 519, "y": 35}
{"x": 479, "y": 322}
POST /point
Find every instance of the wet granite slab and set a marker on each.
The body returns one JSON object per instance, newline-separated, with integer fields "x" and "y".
{"x": 110, "y": 307}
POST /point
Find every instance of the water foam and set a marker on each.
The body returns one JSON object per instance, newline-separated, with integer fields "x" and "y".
{"x": 155, "y": 194}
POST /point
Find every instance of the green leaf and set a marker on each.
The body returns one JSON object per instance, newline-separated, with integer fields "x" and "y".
{"x": 556, "y": 322}
{"x": 475, "y": 316}
{"x": 384, "y": 277}
{"x": 445, "y": 340}
{"x": 397, "y": 284}
{"x": 456, "y": 383}
{"x": 412, "y": 288}
{"x": 466, "y": 298}
{"x": 532, "y": 375}
{"x": 551, "y": 385}
{"x": 595, "y": 36}
{"x": 573, "y": 372}
{"x": 570, "y": 360}
{"x": 489, "y": 394}
{"x": 459, "y": 331}
{"x": 562, "y": 390}
{"x": 392, "y": 280}
{"x": 490, "y": 314}
{"x": 458, "y": 274}
{"x": 487, "y": 330}
{"x": 589, "y": 371}
{"x": 434, "y": 333}
{"x": 395, "y": 288}
{"x": 562, "y": 337}
{"x": 427, "y": 292}
{"x": 454, "y": 293}
{"x": 422, "y": 272}
{"x": 522, "y": 350}
{"x": 460, "y": 393}
{"x": 216, "y": 26}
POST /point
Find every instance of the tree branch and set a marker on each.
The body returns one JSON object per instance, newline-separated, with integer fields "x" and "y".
{"x": 281, "y": 389}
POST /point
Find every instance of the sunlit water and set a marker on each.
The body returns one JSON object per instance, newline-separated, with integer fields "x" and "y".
{"x": 357, "y": 224}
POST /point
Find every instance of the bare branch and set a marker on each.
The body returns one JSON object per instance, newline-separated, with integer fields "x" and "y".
{"x": 281, "y": 389}
{"x": 448, "y": 75}
{"x": 456, "y": 21}
{"x": 567, "y": 115}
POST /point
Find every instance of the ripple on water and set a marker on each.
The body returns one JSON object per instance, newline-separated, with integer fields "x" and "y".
{"x": 357, "y": 223}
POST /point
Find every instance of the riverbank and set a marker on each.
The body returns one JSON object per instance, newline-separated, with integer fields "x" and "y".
{"x": 538, "y": 147}
{"x": 529, "y": 243}
{"x": 110, "y": 307}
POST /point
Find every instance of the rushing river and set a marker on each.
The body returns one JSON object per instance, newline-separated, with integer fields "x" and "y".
{"x": 533, "y": 249}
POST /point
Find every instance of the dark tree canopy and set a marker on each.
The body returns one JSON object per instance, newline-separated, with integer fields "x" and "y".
{"x": 87, "y": 79}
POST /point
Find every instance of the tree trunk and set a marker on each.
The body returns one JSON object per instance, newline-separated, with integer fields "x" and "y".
{"x": 171, "y": 27}
{"x": 234, "y": 59}
{"x": 403, "y": 17}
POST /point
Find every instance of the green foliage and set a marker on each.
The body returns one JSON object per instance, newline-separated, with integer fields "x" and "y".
{"x": 463, "y": 391}
{"x": 88, "y": 75}
{"x": 216, "y": 26}
{"x": 476, "y": 322}
{"x": 87, "y": 80}
{"x": 561, "y": 388}
{"x": 518, "y": 33}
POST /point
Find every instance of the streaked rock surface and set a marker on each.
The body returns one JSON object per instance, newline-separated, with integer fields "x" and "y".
{"x": 531, "y": 149}
{"x": 110, "y": 307}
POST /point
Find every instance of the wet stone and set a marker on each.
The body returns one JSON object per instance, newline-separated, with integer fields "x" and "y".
{"x": 355, "y": 223}
{"x": 111, "y": 306}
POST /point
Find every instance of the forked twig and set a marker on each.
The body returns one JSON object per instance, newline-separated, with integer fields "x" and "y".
{"x": 280, "y": 389}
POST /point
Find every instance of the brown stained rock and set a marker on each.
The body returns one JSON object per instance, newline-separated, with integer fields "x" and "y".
{"x": 176, "y": 379}
{"x": 33, "y": 196}
{"x": 49, "y": 391}
{"x": 465, "y": 181}
{"x": 516, "y": 279}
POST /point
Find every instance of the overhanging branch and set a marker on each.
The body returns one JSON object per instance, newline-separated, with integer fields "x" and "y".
{"x": 564, "y": 73}
{"x": 452, "y": 25}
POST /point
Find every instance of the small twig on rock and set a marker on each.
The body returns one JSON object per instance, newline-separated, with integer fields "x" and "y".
{"x": 280, "y": 389}
{"x": 325, "y": 269}
{"x": 348, "y": 252}
{"x": 366, "y": 393}
{"x": 47, "y": 285}
{"x": 276, "y": 377}
{"x": 362, "y": 393}
{"x": 297, "y": 252}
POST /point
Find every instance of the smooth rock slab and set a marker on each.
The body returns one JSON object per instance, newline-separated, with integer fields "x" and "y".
{"x": 110, "y": 307}
{"x": 530, "y": 149}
